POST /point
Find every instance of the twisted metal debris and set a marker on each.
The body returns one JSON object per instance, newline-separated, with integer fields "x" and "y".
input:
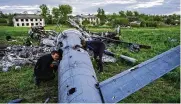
{"x": 22, "y": 55}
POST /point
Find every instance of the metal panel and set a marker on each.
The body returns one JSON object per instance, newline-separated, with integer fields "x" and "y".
{"x": 76, "y": 76}
{"x": 124, "y": 84}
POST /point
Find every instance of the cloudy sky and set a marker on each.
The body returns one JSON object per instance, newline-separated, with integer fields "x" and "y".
{"x": 91, "y": 6}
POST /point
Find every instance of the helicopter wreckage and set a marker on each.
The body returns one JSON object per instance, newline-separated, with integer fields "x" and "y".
{"x": 21, "y": 55}
{"x": 77, "y": 81}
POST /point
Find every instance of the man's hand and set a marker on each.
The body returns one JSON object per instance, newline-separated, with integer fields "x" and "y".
{"x": 51, "y": 65}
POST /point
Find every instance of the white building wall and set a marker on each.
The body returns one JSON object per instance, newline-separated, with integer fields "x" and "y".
{"x": 28, "y": 22}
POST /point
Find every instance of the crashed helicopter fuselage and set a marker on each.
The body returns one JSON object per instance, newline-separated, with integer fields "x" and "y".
{"x": 77, "y": 82}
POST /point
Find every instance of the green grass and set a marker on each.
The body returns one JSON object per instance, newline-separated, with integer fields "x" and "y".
{"x": 19, "y": 83}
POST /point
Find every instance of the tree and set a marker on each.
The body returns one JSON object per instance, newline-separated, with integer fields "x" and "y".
{"x": 168, "y": 21}
{"x": 64, "y": 10}
{"x": 10, "y": 19}
{"x": 44, "y": 11}
{"x": 120, "y": 21}
{"x": 151, "y": 24}
{"x": 1, "y": 14}
{"x": 142, "y": 24}
{"x": 101, "y": 15}
{"x": 55, "y": 12}
{"x": 157, "y": 18}
{"x": 3, "y": 20}
{"x": 129, "y": 13}
{"x": 136, "y": 13}
{"x": 122, "y": 14}
{"x": 49, "y": 19}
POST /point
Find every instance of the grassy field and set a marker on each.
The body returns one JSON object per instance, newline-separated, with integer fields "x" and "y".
{"x": 19, "y": 83}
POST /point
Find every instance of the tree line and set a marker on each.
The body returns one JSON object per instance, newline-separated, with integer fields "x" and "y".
{"x": 136, "y": 19}
{"x": 123, "y": 18}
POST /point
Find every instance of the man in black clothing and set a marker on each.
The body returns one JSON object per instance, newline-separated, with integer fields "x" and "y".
{"x": 45, "y": 67}
{"x": 98, "y": 48}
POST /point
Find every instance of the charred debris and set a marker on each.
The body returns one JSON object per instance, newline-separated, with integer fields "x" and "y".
{"x": 17, "y": 55}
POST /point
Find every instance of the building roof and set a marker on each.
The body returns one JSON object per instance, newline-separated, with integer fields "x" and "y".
{"x": 27, "y": 16}
{"x": 85, "y": 16}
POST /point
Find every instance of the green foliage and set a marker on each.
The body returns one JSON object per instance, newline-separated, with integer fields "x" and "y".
{"x": 3, "y": 20}
{"x": 136, "y": 13}
{"x": 122, "y": 14}
{"x": 168, "y": 21}
{"x": 49, "y": 19}
{"x": 143, "y": 24}
{"x": 85, "y": 22}
{"x": 55, "y": 12}
{"x": 64, "y": 11}
{"x": 10, "y": 20}
{"x": 133, "y": 18}
{"x": 151, "y": 23}
{"x": 120, "y": 21}
{"x": 101, "y": 15}
{"x": 165, "y": 20}
{"x": 45, "y": 12}
{"x": 129, "y": 13}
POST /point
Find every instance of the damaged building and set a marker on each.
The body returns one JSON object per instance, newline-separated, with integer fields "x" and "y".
{"x": 28, "y": 20}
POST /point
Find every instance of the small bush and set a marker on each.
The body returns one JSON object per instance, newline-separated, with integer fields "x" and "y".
{"x": 134, "y": 25}
{"x": 3, "y": 20}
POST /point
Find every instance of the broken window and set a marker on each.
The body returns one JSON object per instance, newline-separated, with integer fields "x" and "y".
{"x": 31, "y": 19}
{"x": 40, "y": 19}
{"x": 17, "y": 24}
{"x": 22, "y": 20}
{"x": 32, "y": 24}
{"x": 27, "y": 24}
{"x": 17, "y": 20}
{"x": 36, "y": 19}
{"x": 26, "y": 19}
{"x": 23, "y": 24}
{"x": 36, "y": 24}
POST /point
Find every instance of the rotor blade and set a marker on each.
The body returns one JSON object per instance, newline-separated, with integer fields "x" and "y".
{"x": 124, "y": 84}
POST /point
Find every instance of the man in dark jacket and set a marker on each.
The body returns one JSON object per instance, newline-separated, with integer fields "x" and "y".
{"x": 98, "y": 48}
{"x": 45, "y": 67}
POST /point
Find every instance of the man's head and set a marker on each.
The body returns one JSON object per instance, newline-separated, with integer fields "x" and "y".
{"x": 83, "y": 42}
{"x": 55, "y": 55}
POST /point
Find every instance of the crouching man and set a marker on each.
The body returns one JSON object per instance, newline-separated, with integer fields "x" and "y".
{"x": 98, "y": 48}
{"x": 46, "y": 66}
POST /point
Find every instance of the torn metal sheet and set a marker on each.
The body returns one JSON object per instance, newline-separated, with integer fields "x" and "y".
{"x": 48, "y": 42}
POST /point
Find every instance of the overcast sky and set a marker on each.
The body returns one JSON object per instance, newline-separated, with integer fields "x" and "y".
{"x": 91, "y": 6}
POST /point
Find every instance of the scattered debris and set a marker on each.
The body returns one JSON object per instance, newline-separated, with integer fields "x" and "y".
{"x": 28, "y": 54}
{"x": 172, "y": 39}
{"x": 15, "y": 101}
{"x": 129, "y": 59}
{"x": 108, "y": 37}
{"x": 134, "y": 48}
{"x": 22, "y": 55}
{"x": 107, "y": 58}
{"x": 38, "y": 32}
{"x": 17, "y": 67}
{"x": 46, "y": 101}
